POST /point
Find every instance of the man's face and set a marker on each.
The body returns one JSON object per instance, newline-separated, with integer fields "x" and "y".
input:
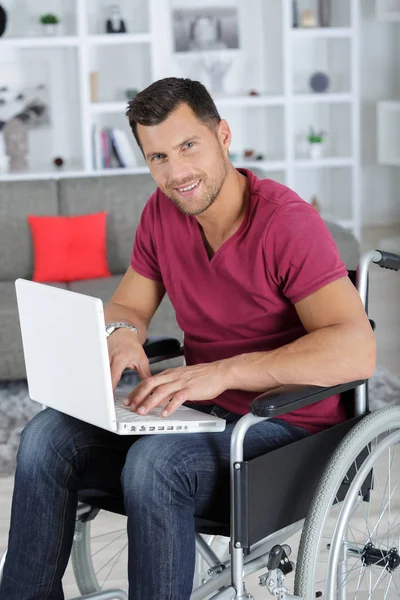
{"x": 188, "y": 160}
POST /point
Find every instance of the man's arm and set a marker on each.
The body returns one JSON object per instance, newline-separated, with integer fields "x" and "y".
{"x": 339, "y": 346}
{"x": 135, "y": 301}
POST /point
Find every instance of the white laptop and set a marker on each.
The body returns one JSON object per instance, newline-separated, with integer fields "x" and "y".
{"x": 67, "y": 364}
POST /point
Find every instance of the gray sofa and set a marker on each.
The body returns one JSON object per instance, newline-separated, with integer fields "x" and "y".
{"x": 124, "y": 197}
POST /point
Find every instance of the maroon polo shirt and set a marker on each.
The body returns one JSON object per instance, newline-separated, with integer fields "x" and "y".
{"x": 242, "y": 299}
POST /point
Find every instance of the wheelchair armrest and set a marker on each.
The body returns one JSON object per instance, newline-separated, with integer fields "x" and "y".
{"x": 162, "y": 347}
{"x": 287, "y": 398}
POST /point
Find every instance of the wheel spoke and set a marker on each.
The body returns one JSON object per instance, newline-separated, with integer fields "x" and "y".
{"x": 109, "y": 543}
{"x": 388, "y": 502}
{"x": 116, "y": 559}
{"x": 373, "y": 452}
{"x": 388, "y": 587}
{"x": 346, "y": 580}
{"x": 383, "y": 574}
{"x": 100, "y": 535}
{"x": 360, "y": 580}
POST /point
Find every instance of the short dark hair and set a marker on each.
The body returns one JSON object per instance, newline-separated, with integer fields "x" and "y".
{"x": 154, "y": 104}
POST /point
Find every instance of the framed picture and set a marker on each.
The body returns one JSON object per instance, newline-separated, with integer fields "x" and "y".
{"x": 205, "y": 29}
{"x": 24, "y": 94}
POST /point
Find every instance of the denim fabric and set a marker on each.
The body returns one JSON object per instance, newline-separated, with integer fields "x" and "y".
{"x": 166, "y": 480}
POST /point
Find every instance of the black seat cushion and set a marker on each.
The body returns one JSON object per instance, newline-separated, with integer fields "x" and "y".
{"x": 114, "y": 503}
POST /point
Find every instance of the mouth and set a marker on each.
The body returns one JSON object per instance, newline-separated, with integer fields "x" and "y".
{"x": 189, "y": 190}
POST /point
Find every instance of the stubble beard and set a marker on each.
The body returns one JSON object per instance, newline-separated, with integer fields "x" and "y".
{"x": 211, "y": 190}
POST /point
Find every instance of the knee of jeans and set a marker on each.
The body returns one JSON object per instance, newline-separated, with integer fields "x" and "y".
{"x": 38, "y": 438}
{"x": 156, "y": 461}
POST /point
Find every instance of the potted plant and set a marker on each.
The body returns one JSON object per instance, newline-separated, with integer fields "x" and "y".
{"x": 50, "y": 23}
{"x": 315, "y": 141}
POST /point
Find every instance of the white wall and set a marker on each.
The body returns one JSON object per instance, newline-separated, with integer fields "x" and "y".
{"x": 380, "y": 80}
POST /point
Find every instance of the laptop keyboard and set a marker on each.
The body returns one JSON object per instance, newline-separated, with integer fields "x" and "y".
{"x": 123, "y": 414}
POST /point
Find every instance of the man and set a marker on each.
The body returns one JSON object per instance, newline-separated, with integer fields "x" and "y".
{"x": 263, "y": 300}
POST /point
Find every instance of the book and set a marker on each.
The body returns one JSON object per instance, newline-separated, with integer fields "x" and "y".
{"x": 122, "y": 148}
{"x": 96, "y": 148}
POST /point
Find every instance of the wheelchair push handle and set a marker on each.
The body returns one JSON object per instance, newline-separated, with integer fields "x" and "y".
{"x": 387, "y": 260}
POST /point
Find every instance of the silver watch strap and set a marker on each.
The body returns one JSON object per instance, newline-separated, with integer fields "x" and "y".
{"x": 111, "y": 327}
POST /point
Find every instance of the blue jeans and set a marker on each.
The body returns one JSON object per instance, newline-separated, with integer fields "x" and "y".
{"x": 165, "y": 480}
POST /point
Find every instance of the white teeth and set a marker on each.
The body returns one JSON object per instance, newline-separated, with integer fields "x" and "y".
{"x": 190, "y": 187}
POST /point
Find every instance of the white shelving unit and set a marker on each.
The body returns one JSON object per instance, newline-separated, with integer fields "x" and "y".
{"x": 335, "y": 178}
{"x": 388, "y": 118}
{"x": 274, "y": 59}
{"x": 388, "y": 10}
{"x": 388, "y": 111}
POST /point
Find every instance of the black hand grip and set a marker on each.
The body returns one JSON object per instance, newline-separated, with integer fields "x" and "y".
{"x": 389, "y": 261}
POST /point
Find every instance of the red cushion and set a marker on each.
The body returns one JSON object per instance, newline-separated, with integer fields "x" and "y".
{"x": 69, "y": 248}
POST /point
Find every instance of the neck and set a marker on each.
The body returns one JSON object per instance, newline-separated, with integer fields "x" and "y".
{"x": 224, "y": 216}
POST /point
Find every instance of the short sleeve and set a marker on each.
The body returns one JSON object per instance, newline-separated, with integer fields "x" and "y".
{"x": 301, "y": 254}
{"x": 144, "y": 254}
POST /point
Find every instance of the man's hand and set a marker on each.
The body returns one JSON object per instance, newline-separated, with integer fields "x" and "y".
{"x": 125, "y": 350}
{"x": 178, "y": 385}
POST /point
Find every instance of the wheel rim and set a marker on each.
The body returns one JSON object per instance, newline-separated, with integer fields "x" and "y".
{"x": 360, "y": 572}
{"x": 100, "y": 554}
{"x": 365, "y": 552}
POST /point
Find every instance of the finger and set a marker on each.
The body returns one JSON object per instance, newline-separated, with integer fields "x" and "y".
{"x": 144, "y": 389}
{"x": 144, "y": 370}
{"x": 147, "y": 387}
{"x": 175, "y": 403}
{"x": 160, "y": 396}
{"x": 117, "y": 367}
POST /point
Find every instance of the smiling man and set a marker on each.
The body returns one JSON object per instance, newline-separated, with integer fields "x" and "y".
{"x": 263, "y": 300}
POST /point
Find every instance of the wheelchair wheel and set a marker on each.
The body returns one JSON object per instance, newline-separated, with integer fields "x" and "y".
{"x": 100, "y": 553}
{"x": 350, "y": 548}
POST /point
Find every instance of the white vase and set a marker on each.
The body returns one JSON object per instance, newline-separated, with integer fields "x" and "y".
{"x": 316, "y": 151}
{"x": 50, "y": 29}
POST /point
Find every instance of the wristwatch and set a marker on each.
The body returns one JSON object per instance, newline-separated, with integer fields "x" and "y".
{"x": 111, "y": 327}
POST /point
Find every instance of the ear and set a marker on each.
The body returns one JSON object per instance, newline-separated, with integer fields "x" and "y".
{"x": 224, "y": 134}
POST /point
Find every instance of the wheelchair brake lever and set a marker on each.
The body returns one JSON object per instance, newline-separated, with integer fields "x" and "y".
{"x": 278, "y": 559}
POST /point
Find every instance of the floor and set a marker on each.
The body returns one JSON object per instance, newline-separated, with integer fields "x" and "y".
{"x": 383, "y": 308}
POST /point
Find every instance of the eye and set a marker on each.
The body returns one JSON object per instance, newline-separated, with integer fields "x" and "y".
{"x": 189, "y": 145}
{"x": 157, "y": 157}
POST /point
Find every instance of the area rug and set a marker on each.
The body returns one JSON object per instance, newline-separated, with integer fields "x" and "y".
{"x": 16, "y": 409}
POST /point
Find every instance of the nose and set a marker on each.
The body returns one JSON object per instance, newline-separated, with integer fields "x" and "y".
{"x": 179, "y": 171}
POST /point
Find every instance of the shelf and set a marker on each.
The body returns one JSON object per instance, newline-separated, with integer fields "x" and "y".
{"x": 66, "y": 41}
{"x": 108, "y": 107}
{"x": 40, "y": 42}
{"x": 322, "y": 32}
{"x": 335, "y": 161}
{"x": 35, "y": 175}
{"x": 328, "y": 98}
{"x": 65, "y": 174}
{"x": 225, "y": 101}
{"x": 220, "y": 101}
{"x": 113, "y": 39}
{"x": 266, "y": 165}
{"x": 130, "y": 171}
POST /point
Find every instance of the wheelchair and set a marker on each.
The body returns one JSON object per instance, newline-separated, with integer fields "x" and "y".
{"x": 334, "y": 490}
